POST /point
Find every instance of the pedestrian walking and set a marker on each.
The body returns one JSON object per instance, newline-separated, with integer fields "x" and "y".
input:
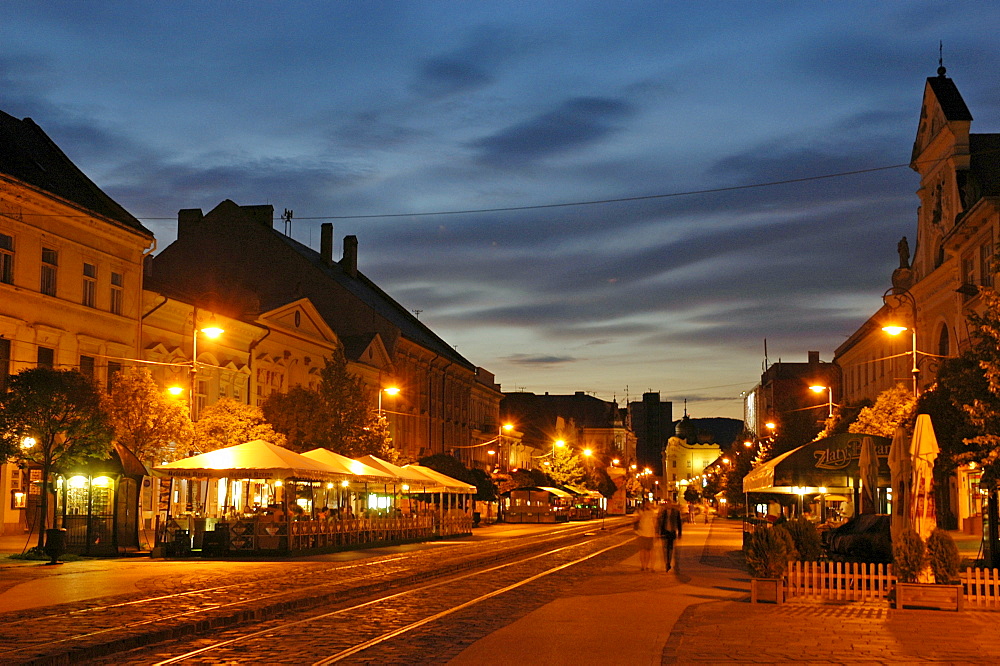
{"x": 644, "y": 525}
{"x": 669, "y": 529}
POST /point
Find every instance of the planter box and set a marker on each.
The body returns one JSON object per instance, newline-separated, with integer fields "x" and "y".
{"x": 767, "y": 590}
{"x": 925, "y": 595}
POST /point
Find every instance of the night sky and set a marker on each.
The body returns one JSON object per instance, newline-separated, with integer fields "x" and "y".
{"x": 356, "y": 110}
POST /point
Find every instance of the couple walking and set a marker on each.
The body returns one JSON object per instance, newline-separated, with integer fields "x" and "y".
{"x": 649, "y": 524}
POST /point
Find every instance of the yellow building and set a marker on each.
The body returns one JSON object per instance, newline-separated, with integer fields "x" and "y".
{"x": 957, "y": 223}
{"x": 71, "y": 275}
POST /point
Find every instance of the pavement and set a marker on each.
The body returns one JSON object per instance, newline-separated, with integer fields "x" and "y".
{"x": 697, "y": 613}
{"x": 700, "y": 613}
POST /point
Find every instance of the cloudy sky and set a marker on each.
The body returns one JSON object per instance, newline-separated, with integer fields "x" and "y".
{"x": 360, "y": 112}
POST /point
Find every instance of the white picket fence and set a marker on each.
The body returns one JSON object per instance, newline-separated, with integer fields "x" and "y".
{"x": 841, "y": 581}
{"x": 859, "y": 581}
{"x": 982, "y": 588}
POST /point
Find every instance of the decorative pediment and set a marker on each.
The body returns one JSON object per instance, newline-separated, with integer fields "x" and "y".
{"x": 301, "y": 318}
{"x": 367, "y": 350}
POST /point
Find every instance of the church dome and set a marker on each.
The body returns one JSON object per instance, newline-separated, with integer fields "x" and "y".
{"x": 686, "y": 430}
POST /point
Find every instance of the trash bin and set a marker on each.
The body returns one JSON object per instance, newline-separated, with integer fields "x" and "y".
{"x": 55, "y": 542}
{"x": 476, "y": 517}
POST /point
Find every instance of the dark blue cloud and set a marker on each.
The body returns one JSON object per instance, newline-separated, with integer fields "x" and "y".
{"x": 575, "y": 123}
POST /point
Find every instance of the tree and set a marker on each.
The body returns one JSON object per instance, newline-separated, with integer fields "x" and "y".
{"x": 60, "y": 411}
{"x": 691, "y": 494}
{"x": 893, "y": 407}
{"x": 301, "y": 416}
{"x": 336, "y": 416}
{"x": 154, "y": 427}
{"x": 979, "y": 396}
{"x": 229, "y": 422}
{"x": 598, "y": 479}
{"x": 566, "y": 468}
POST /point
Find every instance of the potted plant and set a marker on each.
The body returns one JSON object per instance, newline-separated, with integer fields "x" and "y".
{"x": 767, "y": 554}
{"x": 910, "y": 559}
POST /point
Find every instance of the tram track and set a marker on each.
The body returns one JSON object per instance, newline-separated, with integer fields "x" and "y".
{"x": 65, "y": 635}
{"x": 429, "y": 601}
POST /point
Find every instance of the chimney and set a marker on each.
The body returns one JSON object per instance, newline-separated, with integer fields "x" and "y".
{"x": 187, "y": 218}
{"x": 350, "y": 260}
{"x": 814, "y": 358}
{"x": 326, "y": 242}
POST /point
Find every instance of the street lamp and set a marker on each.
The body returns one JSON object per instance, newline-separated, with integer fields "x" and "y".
{"x": 389, "y": 390}
{"x": 504, "y": 459}
{"x": 829, "y": 395}
{"x": 897, "y": 295}
{"x": 211, "y": 331}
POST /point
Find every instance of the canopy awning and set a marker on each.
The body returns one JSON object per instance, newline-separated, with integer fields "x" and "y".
{"x": 558, "y": 492}
{"x": 404, "y": 475}
{"x": 442, "y": 482}
{"x": 349, "y": 468}
{"x": 253, "y": 460}
{"x": 828, "y": 463}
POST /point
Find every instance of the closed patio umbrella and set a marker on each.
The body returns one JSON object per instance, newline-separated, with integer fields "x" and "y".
{"x": 902, "y": 473}
{"x": 923, "y": 452}
{"x": 869, "y": 476}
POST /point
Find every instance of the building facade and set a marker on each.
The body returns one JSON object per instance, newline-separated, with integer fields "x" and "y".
{"x": 71, "y": 277}
{"x": 582, "y": 422}
{"x": 958, "y": 222}
{"x": 652, "y": 422}
{"x": 445, "y": 404}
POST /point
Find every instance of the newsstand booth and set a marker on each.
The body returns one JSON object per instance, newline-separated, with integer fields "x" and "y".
{"x": 826, "y": 472}
{"x": 98, "y": 503}
{"x": 539, "y": 504}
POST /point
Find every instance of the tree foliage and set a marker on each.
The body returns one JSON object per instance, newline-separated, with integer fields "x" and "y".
{"x": 155, "y": 427}
{"x": 336, "y": 416}
{"x": 976, "y": 388}
{"x": 229, "y": 422}
{"x": 60, "y": 410}
{"x": 300, "y": 416}
{"x": 566, "y": 468}
{"x": 893, "y": 407}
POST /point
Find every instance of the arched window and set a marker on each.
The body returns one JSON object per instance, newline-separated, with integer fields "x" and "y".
{"x": 944, "y": 341}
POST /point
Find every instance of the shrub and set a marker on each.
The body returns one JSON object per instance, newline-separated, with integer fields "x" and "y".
{"x": 806, "y": 538}
{"x": 944, "y": 557}
{"x": 909, "y": 556}
{"x": 768, "y": 552}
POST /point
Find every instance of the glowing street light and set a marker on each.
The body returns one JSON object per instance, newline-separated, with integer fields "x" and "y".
{"x": 829, "y": 396}
{"x": 389, "y": 390}
{"x": 894, "y": 328}
{"x": 212, "y": 331}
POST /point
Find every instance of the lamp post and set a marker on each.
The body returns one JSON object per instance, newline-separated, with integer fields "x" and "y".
{"x": 390, "y": 390}
{"x": 829, "y": 396}
{"x": 901, "y": 296}
{"x": 210, "y": 330}
{"x": 504, "y": 458}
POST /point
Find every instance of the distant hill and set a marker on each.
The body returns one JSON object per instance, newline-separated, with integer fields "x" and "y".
{"x": 723, "y": 431}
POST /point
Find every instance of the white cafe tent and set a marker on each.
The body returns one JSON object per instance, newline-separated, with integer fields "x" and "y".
{"x": 258, "y": 459}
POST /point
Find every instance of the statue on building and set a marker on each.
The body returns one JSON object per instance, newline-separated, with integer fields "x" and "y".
{"x": 903, "y": 247}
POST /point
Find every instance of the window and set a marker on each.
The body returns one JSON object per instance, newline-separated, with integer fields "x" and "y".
{"x": 113, "y": 369}
{"x": 6, "y": 259}
{"x": 87, "y": 366}
{"x": 944, "y": 342}
{"x": 4, "y": 363}
{"x": 46, "y": 357}
{"x": 50, "y": 260}
{"x": 986, "y": 267}
{"x": 90, "y": 285}
{"x": 117, "y": 293}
